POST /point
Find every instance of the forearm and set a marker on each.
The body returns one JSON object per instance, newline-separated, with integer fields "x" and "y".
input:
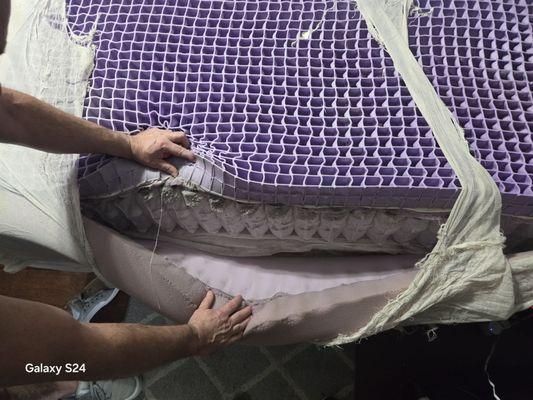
{"x": 121, "y": 350}
{"x": 36, "y": 333}
{"x": 31, "y": 122}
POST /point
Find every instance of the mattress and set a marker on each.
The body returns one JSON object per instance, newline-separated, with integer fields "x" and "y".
{"x": 292, "y": 102}
{"x": 167, "y": 209}
{"x": 290, "y": 106}
{"x": 309, "y": 139}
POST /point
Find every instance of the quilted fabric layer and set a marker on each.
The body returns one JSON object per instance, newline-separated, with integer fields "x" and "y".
{"x": 141, "y": 200}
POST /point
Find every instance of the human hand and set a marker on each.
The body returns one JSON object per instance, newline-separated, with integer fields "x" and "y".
{"x": 153, "y": 146}
{"x": 219, "y": 328}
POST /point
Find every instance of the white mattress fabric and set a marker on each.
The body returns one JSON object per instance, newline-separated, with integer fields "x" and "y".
{"x": 40, "y": 221}
{"x": 466, "y": 276}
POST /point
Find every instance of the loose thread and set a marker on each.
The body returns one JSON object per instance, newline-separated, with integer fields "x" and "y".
{"x": 155, "y": 248}
{"x": 307, "y": 34}
{"x": 487, "y": 361}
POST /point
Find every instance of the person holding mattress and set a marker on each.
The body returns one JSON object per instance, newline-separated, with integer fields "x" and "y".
{"x": 45, "y": 339}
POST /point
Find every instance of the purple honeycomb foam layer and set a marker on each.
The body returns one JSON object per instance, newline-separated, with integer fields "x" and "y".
{"x": 322, "y": 120}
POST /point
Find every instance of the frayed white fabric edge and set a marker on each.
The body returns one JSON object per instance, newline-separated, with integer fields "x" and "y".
{"x": 43, "y": 60}
{"x": 466, "y": 277}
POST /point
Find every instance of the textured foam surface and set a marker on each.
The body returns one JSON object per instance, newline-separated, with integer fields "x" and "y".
{"x": 226, "y": 227}
{"x": 293, "y": 102}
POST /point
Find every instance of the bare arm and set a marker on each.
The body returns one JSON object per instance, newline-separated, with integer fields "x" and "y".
{"x": 36, "y": 333}
{"x": 30, "y": 122}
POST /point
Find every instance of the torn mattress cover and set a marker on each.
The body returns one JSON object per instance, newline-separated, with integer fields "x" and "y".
{"x": 40, "y": 223}
{"x": 465, "y": 277}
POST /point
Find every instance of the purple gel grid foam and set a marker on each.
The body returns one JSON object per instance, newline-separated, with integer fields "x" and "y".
{"x": 325, "y": 120}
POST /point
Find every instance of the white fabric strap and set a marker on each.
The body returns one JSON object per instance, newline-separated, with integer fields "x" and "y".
{"x": 466, "y": 277}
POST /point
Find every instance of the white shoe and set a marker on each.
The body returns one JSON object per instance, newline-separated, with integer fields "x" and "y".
{"x": 83, "y": 309}
{"x": 118, "y": 389}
